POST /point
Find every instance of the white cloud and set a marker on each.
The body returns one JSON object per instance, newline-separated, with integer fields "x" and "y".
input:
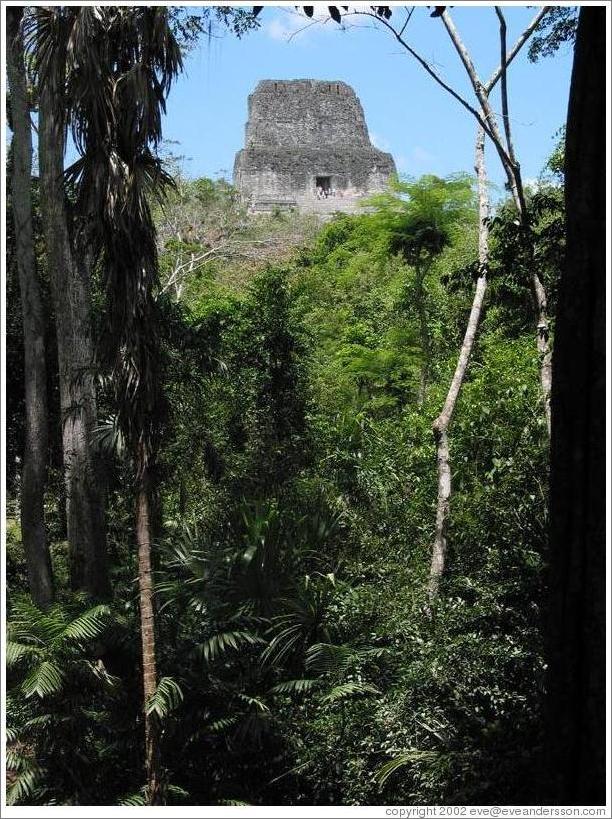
{"x": 293, "y": 24}
{"x": 277, "y": 30}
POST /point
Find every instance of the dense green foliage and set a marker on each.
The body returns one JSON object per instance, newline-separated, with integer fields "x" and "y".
{"x": 296, "y": 502}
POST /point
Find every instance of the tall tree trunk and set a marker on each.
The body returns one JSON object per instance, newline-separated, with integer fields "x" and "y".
{"x": 440, "y": 426}
{"x": 34, "y": 471}
{"x": 442, "y": 422}
{"x": 147, "y": 627}
{"x": 84, "y": 498}
{"x": 576, "y": 617}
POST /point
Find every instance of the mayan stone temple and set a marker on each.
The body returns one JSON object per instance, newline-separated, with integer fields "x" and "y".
{"x": 307, "y": 147}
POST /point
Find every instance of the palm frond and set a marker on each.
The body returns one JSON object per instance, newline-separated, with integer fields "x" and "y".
{"x": 16, "y": 761}
{"x": 108, "y": 438}
{"x": 88, "y": 625}
{"x": 211, "y": 648}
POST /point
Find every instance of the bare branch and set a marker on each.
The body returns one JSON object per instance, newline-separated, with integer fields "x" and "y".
{"x": 504, "y": 84}
{"x": 409, "y": 13}
{"x": 493, "y": 79}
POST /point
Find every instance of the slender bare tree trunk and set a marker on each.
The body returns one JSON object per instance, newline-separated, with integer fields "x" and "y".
{"x": 70, "y": 288}
{"x": 34, "y": 472}
{"x": 147, "y": 627}
{"x": 442, "y": 422}
{"x": 515, "y": 183}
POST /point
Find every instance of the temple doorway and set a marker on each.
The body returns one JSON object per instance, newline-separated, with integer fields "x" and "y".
{"x": 323, "y": 184}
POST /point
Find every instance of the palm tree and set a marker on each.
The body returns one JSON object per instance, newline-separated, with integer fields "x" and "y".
{"x": 118, "y": 65}
{"x": 51, "y": 662}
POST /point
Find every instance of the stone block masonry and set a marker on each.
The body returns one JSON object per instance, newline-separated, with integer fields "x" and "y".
{"x": 307, "y": 146}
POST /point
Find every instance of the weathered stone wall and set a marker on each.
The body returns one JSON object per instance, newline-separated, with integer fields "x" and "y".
{"x": 299, "y": 130}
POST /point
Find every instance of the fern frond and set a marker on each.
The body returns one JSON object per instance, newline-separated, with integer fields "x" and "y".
{"x": 44, "y": 680}
{"x": 400, "y": 761}
{"x": 258, "y": 704}
{"x": 41, "y": 721}
{"x": 24, "y": 786}
{"x": 16, "y": 760}
{"x": 166, "y": 698}
{"x": 223, "y": 724}
{"x": 15, "y": 652}
{"x": 294, "y": 686}
{"x": 233, "y": 803}
{"x": 176, "y": 790}
{"x": 350, "y": 689}
{"x": 133, "y": 800}
{"x": 326, "y": 658}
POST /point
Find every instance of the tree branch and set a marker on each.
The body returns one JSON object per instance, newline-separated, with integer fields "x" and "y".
{"x": 492, "y": 130}
{"x": 381, "y": 21}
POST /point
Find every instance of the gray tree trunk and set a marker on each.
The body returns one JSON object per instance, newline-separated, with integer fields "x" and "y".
{"x": 70, "y": 287}
{"x": 34, "y": 472}
{"x": 442, "y": 422}
{"x": 576, "y": 627}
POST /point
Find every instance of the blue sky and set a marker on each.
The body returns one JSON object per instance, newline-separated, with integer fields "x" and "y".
{"x": 407, "y": 113}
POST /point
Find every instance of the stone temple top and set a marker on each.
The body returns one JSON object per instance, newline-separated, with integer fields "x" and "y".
{"x": 305, "y": 113}
{"x": 307, "y": 146}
